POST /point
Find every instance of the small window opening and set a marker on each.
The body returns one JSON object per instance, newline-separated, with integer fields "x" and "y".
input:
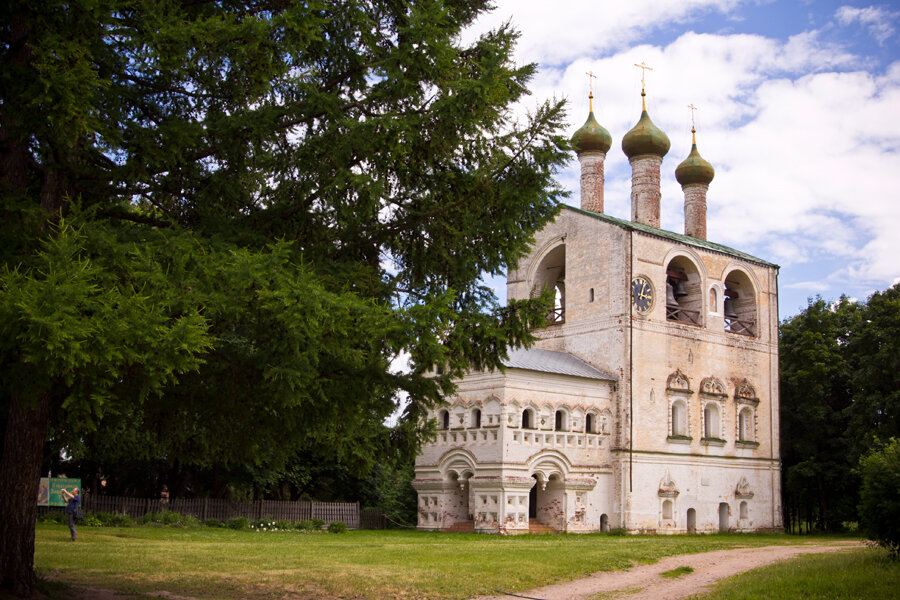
{"x": 589, "y": 423}
{"x": 560, "y": 420}
{"x": 745, "y": 510}
{"x": 679, "y": 419}
{"x": 526, "y": 419}
{"x": 476, "y": 418}
{"x": 445, "y": 419}
{"x": 591, "y": 295}
{"x": 713, "y": 300}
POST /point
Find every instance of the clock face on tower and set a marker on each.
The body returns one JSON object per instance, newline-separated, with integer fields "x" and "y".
{"x": 641, "y": 295}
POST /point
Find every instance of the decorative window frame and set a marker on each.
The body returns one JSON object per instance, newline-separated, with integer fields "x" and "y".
{"x": 678, "y": 388}
{"x": 668, "y": 492}
{"x": 712, "y": 391}
{"x": 679, "y": 438}
{"x": 745, "y": 398}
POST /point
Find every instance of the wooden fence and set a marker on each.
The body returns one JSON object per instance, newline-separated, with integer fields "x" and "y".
{"x": 214, "y": 508}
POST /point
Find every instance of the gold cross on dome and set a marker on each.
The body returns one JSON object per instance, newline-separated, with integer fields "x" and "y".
{"x": 591, "y": 78}
{"x": 693, "y": 108}
{"x": 644, "y": 68}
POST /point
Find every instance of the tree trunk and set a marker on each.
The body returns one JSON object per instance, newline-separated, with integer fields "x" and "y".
{"x": 20, "y": 473}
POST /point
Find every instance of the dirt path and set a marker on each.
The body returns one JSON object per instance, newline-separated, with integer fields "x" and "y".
{"x": 646, "y": 583}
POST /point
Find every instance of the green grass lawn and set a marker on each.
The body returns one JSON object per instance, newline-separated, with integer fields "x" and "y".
{"x": 866, "y": 574}
{"x": 222, "y": 563}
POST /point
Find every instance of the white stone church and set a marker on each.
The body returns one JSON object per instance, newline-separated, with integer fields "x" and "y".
{"x": 650, "y": 401}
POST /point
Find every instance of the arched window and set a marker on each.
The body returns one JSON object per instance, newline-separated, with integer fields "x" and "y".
{"x": 589, "y": 423}
{"x": 740, "y": 304}
{"x": 713, "y": 300}
{"x": 684, "y": 294}
{"x": 745, "y": 425}
{"x": 551, "y": 274}
{"x": 476, "y": 418}
{"x": 445, "y": 419}
{"x": 711, "y": 421}
{"x": 527, "y": 419}
{"x": 679, "y": 418}
{"x": 560, "y": 424}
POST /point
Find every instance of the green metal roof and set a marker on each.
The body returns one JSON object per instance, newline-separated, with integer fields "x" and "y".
{"x": 671, "y": 235}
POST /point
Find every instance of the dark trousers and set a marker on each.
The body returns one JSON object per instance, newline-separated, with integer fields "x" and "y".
{"x": 72, "y": 525}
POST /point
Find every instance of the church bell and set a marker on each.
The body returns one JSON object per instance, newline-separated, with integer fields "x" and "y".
{"x": 730, "y": 312}
{"x": 680, "y": 289}
{"x": 670, "y": 295}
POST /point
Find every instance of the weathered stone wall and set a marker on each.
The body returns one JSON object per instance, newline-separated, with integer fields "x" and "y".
{"x": 695, "y": 209}
{"x": 592, "y": 180}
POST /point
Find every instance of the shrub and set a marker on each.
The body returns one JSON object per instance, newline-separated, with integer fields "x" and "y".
{"x": 337, "y": 527}
{"x": 879, "y": 507}
{"x": 54, "y": 516}
{"x": 90, "y": 520}
{"x": 310, "y": 524}
{"x": 111, "y": 519}
{"x": 283, "y": 525}
{"x": 238, "y": 523}
{"x": 213, "y": 523}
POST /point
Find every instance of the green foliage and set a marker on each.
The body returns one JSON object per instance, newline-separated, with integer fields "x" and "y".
{"x": 214, "y": 523}
{"x": 238, "y": 523}
{"x": 337, "y": 527}
{"x": 53, "y": 516}
{"x": 840, "y": 377}
{"x": 112, "y": 519}
{"x": 879, "y": 508}
{"x": 677, "y": 572}
{"x": 310, "y": 525}
{"x": 222, "y": 222}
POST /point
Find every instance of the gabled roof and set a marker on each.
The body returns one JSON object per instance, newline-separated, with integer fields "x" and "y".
{"x": 549, "y": 361}
{"x": 671, "y": 235}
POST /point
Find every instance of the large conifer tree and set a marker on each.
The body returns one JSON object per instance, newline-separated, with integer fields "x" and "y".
{"x": 234, "y": 215}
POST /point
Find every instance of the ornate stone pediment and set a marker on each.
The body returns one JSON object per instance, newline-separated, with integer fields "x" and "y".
{"x": 712, "y": 386}
{"x": 745, "y": 392}
{"x": 678, "y": 382}
{"x": 667, "y": 486}
{"x": 742, "y": 490}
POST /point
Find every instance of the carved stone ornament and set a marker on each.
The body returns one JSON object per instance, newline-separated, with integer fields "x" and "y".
{"x": 744, "y": 391}
{"x": 742, "y": 490}
{"x": 712, "y": 386}
{"x": 667, "y": 487}
{"x": 678, "y": 382}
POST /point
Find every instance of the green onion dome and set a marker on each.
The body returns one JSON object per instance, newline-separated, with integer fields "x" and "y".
{"x": 591, "y": 136}
{"x": 645, "y": 138}
{"x": 694, "y": 169}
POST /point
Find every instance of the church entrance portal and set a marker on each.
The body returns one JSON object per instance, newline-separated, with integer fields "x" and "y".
{"x": 532, "y": 499}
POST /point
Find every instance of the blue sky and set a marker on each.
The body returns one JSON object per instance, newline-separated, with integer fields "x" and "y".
{"x": 799, "y": 112}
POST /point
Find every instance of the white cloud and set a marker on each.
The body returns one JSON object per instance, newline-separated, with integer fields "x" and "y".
{"x": 876, "y": 19}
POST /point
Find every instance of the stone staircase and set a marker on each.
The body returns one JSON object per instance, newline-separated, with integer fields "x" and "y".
{"x": 461, "y": 527}
{"x": 539, "y": 528}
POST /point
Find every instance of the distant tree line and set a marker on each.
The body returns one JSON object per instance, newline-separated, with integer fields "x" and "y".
{"x": 840, "y": 399}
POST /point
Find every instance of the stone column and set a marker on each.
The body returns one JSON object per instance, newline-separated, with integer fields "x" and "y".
{"x": 645, "y": 192}
{"x": 592, "y": 180}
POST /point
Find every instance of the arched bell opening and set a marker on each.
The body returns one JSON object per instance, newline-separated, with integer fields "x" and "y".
{"x": 684, "y": 291}
{"x": 551, "y": 274}
{"x": 740, "y": 304}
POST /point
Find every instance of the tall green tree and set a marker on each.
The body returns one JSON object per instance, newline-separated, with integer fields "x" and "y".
{"x": 221, "y": 221}
{"x": 815, "y": 392}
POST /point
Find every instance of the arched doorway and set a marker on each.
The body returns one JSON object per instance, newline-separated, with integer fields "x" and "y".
{"x": 604, "y": 523}
{"x": 723, "y": 516}
{"x": 691, "y": 520}
{"x": 532, "y": 498}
